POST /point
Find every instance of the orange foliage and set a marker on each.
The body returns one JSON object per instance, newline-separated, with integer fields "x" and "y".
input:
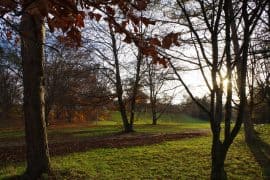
{"x": 65, "y": 16}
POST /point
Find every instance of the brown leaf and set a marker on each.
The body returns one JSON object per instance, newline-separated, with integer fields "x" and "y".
{"x": 17, "y": 40}
{"x": 124, "y": 23}
{"x": 9, "y": 35}
{"x": 98, "y": 17}
{"x": 110, "y": 10}
{"x": 147, "y": 21}
{"x": 91, "y": 15}
{"x": 127, "y": 39}
{"x": 155, "y": 41}
{"x": 135, "y": 29}
{"x": 80, "y": 19}
{"x": 141, "y": 4}
{"x": 168, "y": 40}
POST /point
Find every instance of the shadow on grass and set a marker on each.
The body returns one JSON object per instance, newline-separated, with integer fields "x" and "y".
{"x": 15, "y": 154}
{"x": 261, "y": 152}
{"x": 54, "y": 175}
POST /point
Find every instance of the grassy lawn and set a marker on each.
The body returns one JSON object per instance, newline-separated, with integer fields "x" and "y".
{"x": 169, "y": 123}
{"x": 181, "y": 159}
{"x": 264, "y": 132}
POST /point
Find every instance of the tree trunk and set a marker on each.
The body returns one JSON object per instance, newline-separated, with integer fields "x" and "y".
{"x": 218, "y": 153}
{"x": 154, "y": 112}
{"x": 154, "y": 118}
{"x": 218, "y": 158}
{"x": 135, "y": 88}
{"x": 32, "y": 51}
{"x": 249, "y": 130}
{"x": 153, "y": 99}
{"x": 250, "y": 135}
{"x": 248, "y": 121}
{"x": 119, "y": 90}
{"x": 47, "y": 112}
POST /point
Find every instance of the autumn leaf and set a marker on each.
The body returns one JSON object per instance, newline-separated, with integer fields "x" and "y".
{"x": 163, "y": 62}
{"x": 141, "y": 4}
{"x": 110, "y": 11}
{"x": 80, "y": 19}
{"x": 168, "y": 40}
{"x": 160, "y": 60}
{"x": 17, "y": 40}
{"x": 155, "y": 41}
{"x": 9, "y": 35}
{"x": 127, "y": 39}
{"x": 147, "y": 21}
{"x": 124, "y": 24}
{"x": 91, "y": 15}
{"x": 134, "y": 19}
{"x": 98, "y": 17}
{"x": 135, "y": 29}
{"x": 149, "y": 51}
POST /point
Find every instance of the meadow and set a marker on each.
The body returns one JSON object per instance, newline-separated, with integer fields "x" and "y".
{"x": 180, "y": 158}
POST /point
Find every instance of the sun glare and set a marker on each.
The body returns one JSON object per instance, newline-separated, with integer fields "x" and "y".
{"x": 225, "y": 83}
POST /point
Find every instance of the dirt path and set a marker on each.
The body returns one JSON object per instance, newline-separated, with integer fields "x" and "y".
{"x": 17, "y": 153}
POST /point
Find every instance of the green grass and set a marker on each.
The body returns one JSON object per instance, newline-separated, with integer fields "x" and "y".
{"x": 261, "y": 148}
{"x": 169, "y": 123}
{"x": 183, "y": 159}
{"x": 11, "y": 133}
{"x": 145, "y": 126}
{"x": 264, "y": 132}
{"x": 145, "y": 118}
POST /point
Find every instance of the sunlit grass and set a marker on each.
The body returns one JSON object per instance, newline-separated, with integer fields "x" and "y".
{"x": 264, "y": 132}
{"x": 183, "y": 159}
{"x": 169, "y": 123}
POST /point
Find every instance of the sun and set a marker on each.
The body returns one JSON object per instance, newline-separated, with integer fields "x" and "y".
{"x": 225, "y": 83}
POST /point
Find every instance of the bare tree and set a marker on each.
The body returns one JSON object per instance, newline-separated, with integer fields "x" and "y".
{"x": 214, "y": 27}
{"x": 128, "y": 122}
{"x": 73, "y": 87}
{"x": 155, "y": 81}
{"x": 10, "y": 87}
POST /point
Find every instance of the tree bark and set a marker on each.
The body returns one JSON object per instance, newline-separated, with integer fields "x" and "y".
{"x": 119, "y": 90}
{"x": 135, "y": 88}
{"x": 47, "y": 112}
{"x": 154, "y": 116}
{"x": 218, "y": 158}
{"x": 153, "y": 99}
{"x": 248, "y": 121}
{"x": 153, "y": 109}
{"x": 32, "y": 51}
{"x": 250, "y": 134}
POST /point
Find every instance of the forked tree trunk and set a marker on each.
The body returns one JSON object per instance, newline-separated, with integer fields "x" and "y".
{"x": 32, "y": 51}
{"x": 218, "y": 153}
